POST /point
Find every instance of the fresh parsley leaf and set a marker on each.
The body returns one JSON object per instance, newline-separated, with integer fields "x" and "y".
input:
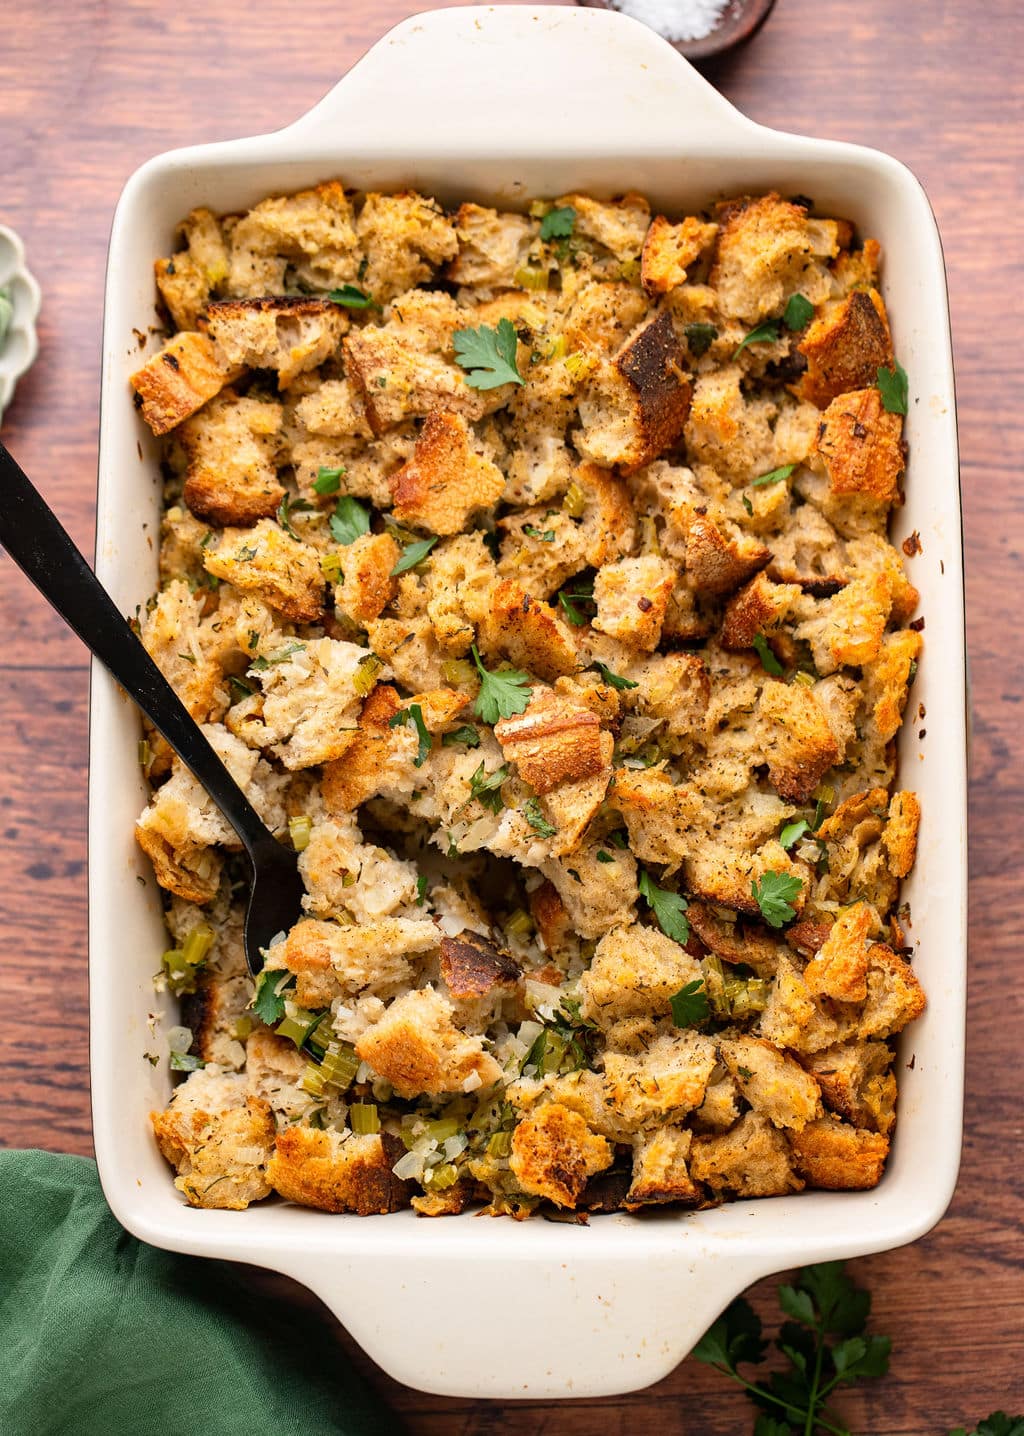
{"x": 414, "y": 715}
{"x": 798, "y": 312}
{"x": 690, "y": 1004}
{"x": 797, "y": 1304}
{"x": 327, "y": 481}
{"x": 281, "y": 656}
{"x": 467, "y": 735}
{"x": 349, "y": 521}
{"x": 488, "y": 355}
{"x": 769, "y": 662}
{"x": 286, "y": 508}
{"x": 765, "y": 333}
{"x": 774, "y": 477}
{"x": 547, "y": 536}
{"x": 572, "y": 601}
{"x": 618, "y": 839}
{"x": 700, "y": 338}
{"x": 537, "y": 820}
{"x": 734, "y": 1337}
{"x": 486, "y": 787}
{"x": 413, "y": 555}
{"x": 995, "y": 1424}
{"x": 353, "y": 298}
{"x": 268, "y": 999}
{"x": 421, "y": 889}
{"x": 669, "y": 908}
{"x": 558, "y": 223}
{"x": 243, "y": 689}
{"x": 185, "y": 1062}
{"x": 747, "y": 504}
{"x": 893, "y": 386}
{"x": 844, "y": 1307}
{"x": 774, "y": 893}
{"x": 603, "y": 857}
{"x": 793, "y": 832}
{"x": 502, "y": 694}
{"x": 614, "y": 680}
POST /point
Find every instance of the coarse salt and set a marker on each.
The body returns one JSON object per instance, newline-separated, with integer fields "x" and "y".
{"x": 676, "y": 19}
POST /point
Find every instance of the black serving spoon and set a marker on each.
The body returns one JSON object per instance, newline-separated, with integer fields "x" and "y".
{"x": 32, "y": 535}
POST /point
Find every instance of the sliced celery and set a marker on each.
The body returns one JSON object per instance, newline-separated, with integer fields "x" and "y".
{"x": 363, "y": 1118}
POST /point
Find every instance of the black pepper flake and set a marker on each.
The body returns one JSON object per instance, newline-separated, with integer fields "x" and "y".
{"x": 917, "y": 625}
{"x": 644, "y": 605}
{"x": 171, "y": 361}
{"x": 859, "y": 431}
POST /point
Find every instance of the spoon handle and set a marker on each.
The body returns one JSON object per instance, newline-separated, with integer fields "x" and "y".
{"x": 32, "y": 535}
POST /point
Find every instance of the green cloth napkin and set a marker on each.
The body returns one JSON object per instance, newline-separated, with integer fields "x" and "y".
{"x": 101, "y": 1335}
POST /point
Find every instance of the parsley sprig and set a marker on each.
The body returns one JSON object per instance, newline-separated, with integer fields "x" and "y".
{"x": 823, "y": 1303}
{"x": 774, "y": 893}
{"x": 488, "y": 355}
{"x": 351, "y": 297}
{"x": 997, "y": 1423}
{"x": 669, "y": 908}
{"x": 534, "y": 815}
{"x": 558, "y": 223}
{"x": 690, "y": 1004}
{"x": 893, "y": 387}
{"x": 615, "y": 680}
{"x": 502, "y": 693}
{"x": 414, "y": 715}
{"x": 486, "y": 787}
{"x": 349, "y": 521}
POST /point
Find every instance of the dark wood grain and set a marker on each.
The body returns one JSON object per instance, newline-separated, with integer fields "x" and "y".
{"x": 90, "y": 90}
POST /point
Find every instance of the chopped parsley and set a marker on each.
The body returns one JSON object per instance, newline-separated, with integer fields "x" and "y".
{"x": 690, "y": 1004}
{"x": 289, "y": 506}
{"x": 747, "y": 504}
{"x": 572, "y": 601}
{"x": 774, "y": 476}
{"x": 414, "y": 715}
{"x": 769, "y": 662}
{"x": 486, "y": 787}
{"x": 349, "y": 521}
{"x": 327, "y": 481}
{"x": 537, "y": 820}
{"x": 488, "y": 355}
{"x": 558, "y": 223}
{"x": 793, "y": 832}
{"x": 281, "y": 656}
{"x": 353, "y": 298}
{"x": 700, "y": 338}
{"x": 893, "y": 386}
{"x": 421, "y": 889}
{"x": 765, "y": 333}
{"x": 618, "y": 839}
{"x": 502, "y": 694}
{"x": 669, "y": 908}
{"x": 268, "y": 999}
{"x": 774, "y": 893}
{"x": 798, "y": 312}
{"x": 546, "y": 536}
{"x": 467, "y": 736}
{"x": 414, "y": 554}
{"x": 614, "y": 680}
{"x": 603, "y": 857}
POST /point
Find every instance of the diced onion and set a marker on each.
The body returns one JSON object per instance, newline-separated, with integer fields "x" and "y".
{"x": 179, "y": 1039}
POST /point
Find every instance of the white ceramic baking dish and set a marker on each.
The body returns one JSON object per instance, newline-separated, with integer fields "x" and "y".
{"x": 497, "y": 105}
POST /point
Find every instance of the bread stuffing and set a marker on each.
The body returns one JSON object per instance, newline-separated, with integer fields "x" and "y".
{"x": 530, "y": 572}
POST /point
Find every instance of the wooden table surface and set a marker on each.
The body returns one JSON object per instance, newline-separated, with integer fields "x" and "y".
{"x": 88, "y": 90}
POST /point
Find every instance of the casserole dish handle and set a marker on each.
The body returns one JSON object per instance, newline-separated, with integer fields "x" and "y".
{"x": 551, "y": 65}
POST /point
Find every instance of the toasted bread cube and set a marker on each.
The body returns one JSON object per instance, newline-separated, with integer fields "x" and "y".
{"x": 179, "y": 380}
{"x": 669, "y": 250}
{"x": 529, "y": 632}
{"x": 768, "y": 250}
{"x": 338, "y": 1171}
{"x": 855, "y": 623}
{"x": 572, "y": 805}
{"x": 346, "y": 876}
{"x": 333, "y": 411}
{"x": 899, "y": 835}
{"x": 597, "y": 896}
{"x": 716, "y": 562}
{"x": 635, "y": 970}
{"x": 609, "y": 516}
{"x": 397, "y": 378}
{"x": 218, "y": 1139}
{"x": 211, "y": 1013}
{"x": 799, "y": 744}
{"x": 310, "y": 704}
{"x": 284, "y": 333}
{"x": 554, "y": 1153}
{"x": 724, "y": 876}
{"x": 674, "y": 687}
{"x": 410, "y": 648}
{"x": 733, "y": 432}
{"x": 752, "y": 1159}
{"x": 619, "y": 225}
{"x": 857, "y": 1082}
{"x": 188, "y": 278}
{"x": 459, "y": 581}
{"x": 662, "y": 1084}
{"x": 549, "y": 913}
{"x": 601, "y": 317}
{"x": 888, "y": 679}
{"x": 659, "y": 1169}
{"x": 473, "y": 967}
{"x": 636, "y": 405}
{"x": 271, "y": 564}
{"x": 775, "y": 1085}
{"x": 367, "y": 585}
{"x": 555, "y": 740}
{"x": 793, "y": 1018}
{"x": 191, "y": 872}
{"x": 666, "y": 820}
{"x": 311, "y": 229}
{"x": 329, "y": 960}
{"x": 405, "y": 237}
{"x": 860, "y": 444}
{"x": 845, "y": 345}
{"x": 232, "y": 445}
{"x": 758, "y": 608}
{"x": 492, "y": 246}
{"x": 839, "y": 969}
{"x": 832, "y": 1155}
{"x": 632, "y": 596}
{"x": 445, "y": 481}
{"x": 895, "y": 997}
{"x": 184, "y": 646}
{"x": 419, "y": 1050}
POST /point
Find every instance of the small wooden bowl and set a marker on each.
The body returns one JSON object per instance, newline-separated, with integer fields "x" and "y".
{"x": 739, "y": 20}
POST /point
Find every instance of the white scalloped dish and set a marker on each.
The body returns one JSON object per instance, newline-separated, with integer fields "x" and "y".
{"x": 19, "y": 346}
{"x": 594, "y": 103}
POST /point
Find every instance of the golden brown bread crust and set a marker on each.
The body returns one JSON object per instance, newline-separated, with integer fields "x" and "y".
{"x": 444, "y": 482}
{"x": 528, "y": 632}
{"x": 669, "y": 250}
{"x": 652, "y": 364}
{"x": 178, "y": 381}
{"x": 553, "y": 741}
{"x": 845, "y": 346}
{"x": 717, "y": 564}
{"x": 839, "y": 1158}
{"x": 472, "y": 966}
{"x": 555, "y": 1152}
{"x": 315, "y": 1169}
{"x": 860, "y": 443}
